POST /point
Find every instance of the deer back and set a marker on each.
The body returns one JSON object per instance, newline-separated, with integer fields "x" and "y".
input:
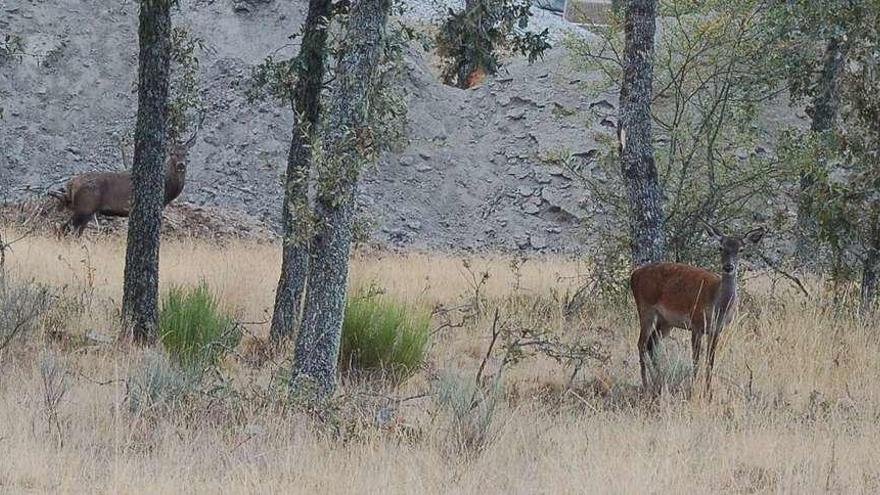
{"x": 684, "y": 291}
{"x": 100, "y": 192}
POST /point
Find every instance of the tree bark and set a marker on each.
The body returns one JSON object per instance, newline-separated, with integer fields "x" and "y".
{"x": 825, "y": 108}
{"x": 634, "y": 132}
{"x": 347, "y": 146}
{"x": 871, "y": 262}
{"x": 141, "y": 280}
{"x": 295, "y": 212}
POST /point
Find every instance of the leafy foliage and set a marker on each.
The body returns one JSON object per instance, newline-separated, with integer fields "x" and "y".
{"x": 710, "y": 80}
{"x": 799, "y": 30}
{"x": 185, "y": 101}
{"x": 470, "y": 41}
{"x": 276, "y": 78}
{"x": 382, "y": 334}
{"x": 843, "y": 162}
{"x": 194, "y": 329}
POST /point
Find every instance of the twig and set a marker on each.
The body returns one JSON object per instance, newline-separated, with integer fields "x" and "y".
{"x": 2, "y": 252}
{"x": 495, "y": 333}
{"x": 582, "y": 399}
{"x": 102, "y": 383}
{"x": 785, "y": 274}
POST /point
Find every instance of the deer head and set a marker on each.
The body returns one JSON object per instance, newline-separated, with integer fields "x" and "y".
{"x": 730, "y": 246}
{"x": 178, "y": 152}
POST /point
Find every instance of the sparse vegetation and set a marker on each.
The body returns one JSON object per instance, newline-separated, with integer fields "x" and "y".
{"x": 378, "y": 370}
{"x": 11, "y": 48}
{"x": 794, "y": 377}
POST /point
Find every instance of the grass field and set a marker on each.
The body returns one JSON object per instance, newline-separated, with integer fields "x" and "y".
{"x": 796, "y": 405}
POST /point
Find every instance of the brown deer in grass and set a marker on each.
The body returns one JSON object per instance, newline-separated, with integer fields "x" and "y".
{"x": 673, "y": 295}
{"x": 109, "y": 193}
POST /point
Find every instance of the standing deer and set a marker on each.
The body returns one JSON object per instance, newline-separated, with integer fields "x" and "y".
{"x": 673, "y": 295}
{"x": 109, "y": 193}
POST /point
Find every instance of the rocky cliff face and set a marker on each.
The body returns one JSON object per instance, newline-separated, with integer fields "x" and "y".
{"x": 476, "y": 173}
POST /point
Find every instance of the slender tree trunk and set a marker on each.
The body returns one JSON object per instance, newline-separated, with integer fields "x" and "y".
{"x": 295, "y": 210}
{"x": 141, "y": 284}
{"x": 871, "y": 262}
{"x": 347, "y": 146}
{"x": 634, "y": 133}
{"x": 825, "y": 108}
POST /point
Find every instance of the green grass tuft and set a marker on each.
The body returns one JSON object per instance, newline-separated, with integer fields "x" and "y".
{"x": 382, "y": 334}
{"x": 194, "y": 329}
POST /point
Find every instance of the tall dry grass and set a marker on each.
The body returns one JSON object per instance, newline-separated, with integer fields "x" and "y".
{"x": 795, "y": 409}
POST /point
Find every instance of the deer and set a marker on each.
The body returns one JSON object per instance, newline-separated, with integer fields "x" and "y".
{"x": 675, "y": 295}
{"x": 109, "y": 193}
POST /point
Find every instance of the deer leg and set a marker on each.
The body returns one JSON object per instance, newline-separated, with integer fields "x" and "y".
{"x": 653, "y": 346}
{"x": 64, "y": 229}
{"x": 711, "y": 344}
{"x": 696, "y": 345}
{"x": 79, "y": 222}
{"x": 648, "y": 323}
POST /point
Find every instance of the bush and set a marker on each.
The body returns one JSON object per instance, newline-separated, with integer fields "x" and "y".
{"x": 194, "y": 329}
{"x": 21, "y": 308}
{"x": 154, "y": 383}
{"x": 382, "y": 334}
{"x": 471, "y": 409}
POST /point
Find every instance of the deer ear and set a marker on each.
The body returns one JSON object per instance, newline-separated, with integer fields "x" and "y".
{"x": 754, "y": 236}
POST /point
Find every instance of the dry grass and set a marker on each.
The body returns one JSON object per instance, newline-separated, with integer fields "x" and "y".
{"x": 796, "y": 405}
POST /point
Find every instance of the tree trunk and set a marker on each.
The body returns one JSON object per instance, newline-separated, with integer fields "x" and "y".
{"x": 141, "y": 283}
{"x": 347, "y": 146}
{"x": 295, "y": 211}
{"x": 634, "y": 134}
{"x": 871, "y": 262}
{"x": 825, "y": 108}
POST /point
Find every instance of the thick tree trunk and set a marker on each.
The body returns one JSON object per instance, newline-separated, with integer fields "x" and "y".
{"x": 295, "y": 211}
{"x": 347, "y": 146}
{"x": 141, "y": 282}
{"x": 871, "y": 263}
{"x": 634, "y": 133}
{"x": 825, "y": 108}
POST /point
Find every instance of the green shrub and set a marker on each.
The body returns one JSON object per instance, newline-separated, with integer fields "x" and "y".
{"x": 382, "y": 334}
{"x": 194, "y": 329}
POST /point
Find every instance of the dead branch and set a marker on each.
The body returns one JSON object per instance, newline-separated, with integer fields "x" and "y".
{"x": 794, "y": 279}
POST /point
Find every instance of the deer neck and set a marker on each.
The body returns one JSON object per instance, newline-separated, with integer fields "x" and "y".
{"x": 725, "y": 298}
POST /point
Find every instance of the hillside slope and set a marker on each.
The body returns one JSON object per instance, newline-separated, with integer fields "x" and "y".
{"x": 474, "y": 174}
